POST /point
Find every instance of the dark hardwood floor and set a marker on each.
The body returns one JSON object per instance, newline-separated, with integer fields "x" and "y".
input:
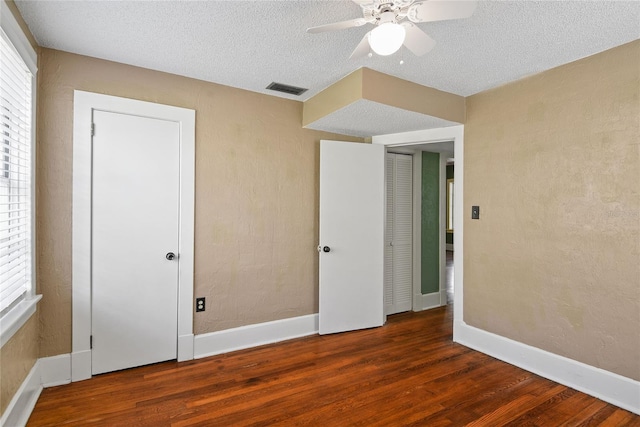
{"x": 407, "y": 373}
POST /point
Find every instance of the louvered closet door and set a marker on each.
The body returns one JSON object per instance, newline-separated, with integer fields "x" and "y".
{"x": 388, "y": 235}
{"x": 399, "y": 234}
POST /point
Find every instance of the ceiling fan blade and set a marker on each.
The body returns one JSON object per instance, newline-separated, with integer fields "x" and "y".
{"x": 362, "y": 49}
{"x": 337, "y": 26}
{"x": 441, "y": 10}
{"x": 416, "y": 40}
{"x": 365, "y": 3}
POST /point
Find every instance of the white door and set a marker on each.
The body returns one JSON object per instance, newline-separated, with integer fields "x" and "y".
{"x": 351, "y": 236}
{"x": 399, "y": 234}
{"x": 134, "y": 226}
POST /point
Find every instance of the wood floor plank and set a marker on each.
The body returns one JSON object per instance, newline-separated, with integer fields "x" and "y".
{"x": 407, "y": 373}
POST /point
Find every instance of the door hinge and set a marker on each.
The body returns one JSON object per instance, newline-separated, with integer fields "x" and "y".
{"x": 93, "y": 129}
{"x": 90, "y": 342}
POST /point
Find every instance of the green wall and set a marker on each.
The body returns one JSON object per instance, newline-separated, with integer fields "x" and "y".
{"x": 430, "y": 222}
{"x": 450, "y": 176}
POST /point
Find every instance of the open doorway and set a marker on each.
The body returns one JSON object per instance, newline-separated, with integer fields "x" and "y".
{"x": 432, "y": 138}
{"x": 432, "y": 225}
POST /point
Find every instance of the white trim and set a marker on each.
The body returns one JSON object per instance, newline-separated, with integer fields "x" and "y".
{"x": 15, "y": 318}
{"x": 428, "y": 301}
{"x": 427, "y": 136}
{"x": 442, "y": 228}
{"x": 55, "y": 370}
{"x": 417, "y": 231}
{"x": 84, "y": 105}
{"x": 17, "y": 37}
{"x": 185, "y": 347}
{"x": 458, "y": 226}
{"x": 455, "y": 134}
{"x": 450, "y": 246}
{"x": 80, "y": 365}
{"x": 254, "y": 335}
{"x": 24, "y": 400}
{"x": 615, "y": 389}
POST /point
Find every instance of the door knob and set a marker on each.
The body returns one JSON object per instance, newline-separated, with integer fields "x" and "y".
{"x": 170, "y": 256}
{"x": 326, "y": 249}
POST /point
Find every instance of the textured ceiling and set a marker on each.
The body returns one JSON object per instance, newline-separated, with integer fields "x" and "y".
{"x": 249, "y": 44}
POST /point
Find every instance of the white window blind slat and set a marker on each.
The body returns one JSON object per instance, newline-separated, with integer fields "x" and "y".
{"x": 15, "y": 161}
{"x": 6, "y": 235}
{"x": 10, "y": 85}
{"x": 15, "y": 277}
{"x": 8, "y": 143}
{"x": 10, "y": 296}
{"x": 6, "y": 253}
{"x": 9, "y": 223}
{"x": 12, "y": 261}
{"x": 13, "y": 202}
{"x": 11, "y": 268}
{"x": 12, "y": 99}
{"x": 15, "y": 174}
{"x": 12, "y": 236}
{"x": 9, "y": 118}
{"x": 14, "y": 282}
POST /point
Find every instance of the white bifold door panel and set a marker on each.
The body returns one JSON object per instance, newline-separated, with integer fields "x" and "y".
{"x": 134, "y": 228}
{"x": 351, "y": 236}
{"x": 398, "y": 253}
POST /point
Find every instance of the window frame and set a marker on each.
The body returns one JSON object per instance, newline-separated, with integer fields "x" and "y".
{"x": 17, "y": 315}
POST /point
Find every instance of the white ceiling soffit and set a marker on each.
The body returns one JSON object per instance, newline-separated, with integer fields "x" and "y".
{"x": 249, "y": 44}
{"x": 365, "y": 118}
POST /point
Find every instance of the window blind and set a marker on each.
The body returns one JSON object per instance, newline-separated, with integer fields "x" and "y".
{"x": 15, "y": 175}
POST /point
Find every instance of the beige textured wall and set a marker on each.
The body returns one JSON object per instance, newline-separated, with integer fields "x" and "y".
{"x": 256, "y": 194}
{"x": 17, "y": 357}
{"x": 340, "y": 94}
{"x": 553, "y": 162}
{"x": 390, "y": 90}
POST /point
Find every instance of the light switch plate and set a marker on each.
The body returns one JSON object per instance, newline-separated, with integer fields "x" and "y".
{"x": 475, "y": 212}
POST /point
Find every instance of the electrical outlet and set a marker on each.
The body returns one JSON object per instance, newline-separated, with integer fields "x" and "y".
{"x": 199, "y": 304}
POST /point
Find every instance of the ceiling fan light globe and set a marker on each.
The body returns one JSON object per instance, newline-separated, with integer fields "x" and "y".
{"x": 387, "y": 38}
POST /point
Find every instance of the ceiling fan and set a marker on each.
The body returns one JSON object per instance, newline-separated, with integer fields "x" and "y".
{"x": 390, "y": 33}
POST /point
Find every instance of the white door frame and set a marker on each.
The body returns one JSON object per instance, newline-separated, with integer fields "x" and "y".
{"x": 84, "y": 105}
{"x": 455, "y": 134}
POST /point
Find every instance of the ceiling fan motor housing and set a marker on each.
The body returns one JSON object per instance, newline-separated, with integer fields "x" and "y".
{"x": 386, "y": 16}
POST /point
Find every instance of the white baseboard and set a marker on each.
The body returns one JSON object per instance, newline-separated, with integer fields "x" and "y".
{"x": 449, "y": 246}
{"x": 185, "y": 347}
{"x": 613, "y": 388}
{"x": 55, "y": 370}
{"x": 19, "y": 410}
{"x": 254, "y": 335}
{"x": 427, "y": 301}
